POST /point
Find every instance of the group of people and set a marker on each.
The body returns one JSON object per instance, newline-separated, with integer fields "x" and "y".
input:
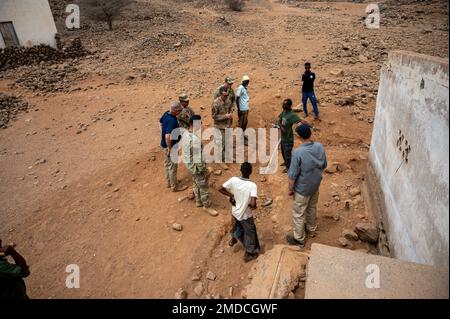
{"x": 304, "y": 165}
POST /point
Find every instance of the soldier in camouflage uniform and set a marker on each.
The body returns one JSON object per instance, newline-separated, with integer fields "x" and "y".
{"x": 222, "y": 113}
{"x": 229, "y": 85}
{"x": 186, "y": 112}
{"x": 192, "y": 158}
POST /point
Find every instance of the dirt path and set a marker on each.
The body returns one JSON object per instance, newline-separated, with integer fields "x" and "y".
{"x": 56, "y": 202}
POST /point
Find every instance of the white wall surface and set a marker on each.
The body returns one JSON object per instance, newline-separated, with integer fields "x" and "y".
{"x": 413, "y": 102}
{"x": 32, "y": 19}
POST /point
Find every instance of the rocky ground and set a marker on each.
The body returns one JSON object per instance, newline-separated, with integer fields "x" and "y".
{"x": 82, "y": 173}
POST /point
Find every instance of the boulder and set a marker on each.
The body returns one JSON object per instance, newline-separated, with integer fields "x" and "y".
{"x": 350, "y": 234}
{"x": 367, "y": 232}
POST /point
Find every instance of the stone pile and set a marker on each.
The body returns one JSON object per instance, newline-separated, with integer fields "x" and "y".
{"x": 56, "y": 78}
{"x": 10, "y": 106}
{"x": 11, "y": 58}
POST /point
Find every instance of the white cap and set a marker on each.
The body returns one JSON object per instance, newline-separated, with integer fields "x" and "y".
{"x": 245, "y": 78}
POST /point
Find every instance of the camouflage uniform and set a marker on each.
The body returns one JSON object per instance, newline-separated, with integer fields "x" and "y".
{"x": 232, "y": 95}
{"x": 219, "y": 110}
{"x": 191, "y": 144}
{"x": 184, "y": 117}
{"x": 186, "y": 114}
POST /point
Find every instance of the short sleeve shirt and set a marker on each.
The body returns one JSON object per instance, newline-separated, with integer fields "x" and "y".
{"x": 169, "y": 123}
{"x": 9, "y": 270}
{"x": 244, "y": 98}
{"x": 287, "y": 120}
{"x": 243, "y": 190}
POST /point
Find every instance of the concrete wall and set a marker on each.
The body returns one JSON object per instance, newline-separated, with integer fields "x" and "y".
{"x": 32, "y": 19}
{"x": 409, "y": 154}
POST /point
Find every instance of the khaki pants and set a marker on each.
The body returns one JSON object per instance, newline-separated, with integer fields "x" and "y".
{"x": 201, "y": 189}
{"x": 304, "y": 215}
{"x": 171, "y": 170}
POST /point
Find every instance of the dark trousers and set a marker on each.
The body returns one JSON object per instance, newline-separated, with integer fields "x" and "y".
{"x": 312, "y": 97}
{"x": 245, "y": 232}
{"x": 286, "y": 152}
{"x": 13, "y": 288}
{"x": 243, "y": 119}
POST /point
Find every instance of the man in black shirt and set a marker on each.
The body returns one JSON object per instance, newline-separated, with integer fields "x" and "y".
{"x": 308, "y": 90}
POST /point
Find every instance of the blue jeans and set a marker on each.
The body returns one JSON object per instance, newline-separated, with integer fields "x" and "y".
{"x": 312, "y": 97}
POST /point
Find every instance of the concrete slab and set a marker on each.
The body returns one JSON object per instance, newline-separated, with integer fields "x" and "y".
{"x": 334, "y": 273}
{"x": 276, "y": 273}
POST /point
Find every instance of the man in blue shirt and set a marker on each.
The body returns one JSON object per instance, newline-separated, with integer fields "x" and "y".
{"x": 170, "y": 136}
{"x": 308, "y": 79}
{"x": 242, "y": 102}
{"x": 305, "y": 175}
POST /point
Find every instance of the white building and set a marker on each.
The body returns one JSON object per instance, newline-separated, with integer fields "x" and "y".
{"x": 26, "y": 23}
{"x": 409, "y": 156}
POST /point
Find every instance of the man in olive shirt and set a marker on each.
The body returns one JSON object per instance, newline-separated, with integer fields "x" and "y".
{"x": 186, "y": 113}
{"x": 222, "y": 114}
{"x": 12, "y": 285}
{"x": 286, "y": 120}
{"x": 229, "y": 81}
{"x": 193, "y": 160}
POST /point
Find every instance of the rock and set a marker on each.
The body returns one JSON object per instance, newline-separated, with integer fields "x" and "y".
{"x": 116, "y": 190}
{"x": 367, "y": 232}
{"x": 109, "y": 184}
{"x": 178, "y": 45}
{"x": 333, "y": 168}
{"x": 183, "y": 198}
{"x": 267, "y": 202}
{"x": 181, "y": 294}
{"x": 350, "y": 234}
{"x": 343, "y": 242}
{"x": 337, "y": 217}
{"x": 347, "y": 205}
{"x": 199, "y": 289}
{"x": 211, "y": 276}
{"x": 337, "y": 73}
{"x": 197, "y": 275}
{"x": 354, "y": 191}
{"x": 177, "y": 227}
{"x": 217, "y": 172}
{"x": 230, "y": 291}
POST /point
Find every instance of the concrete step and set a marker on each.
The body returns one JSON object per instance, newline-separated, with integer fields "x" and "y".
{"x": 335, "y": 273}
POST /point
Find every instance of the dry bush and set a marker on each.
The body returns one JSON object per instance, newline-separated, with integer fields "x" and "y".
{"x": 106, "y": 10}
{"x": 235, "y": 5}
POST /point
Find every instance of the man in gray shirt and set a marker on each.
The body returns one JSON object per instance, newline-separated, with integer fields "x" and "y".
{"x": 305, "y": 174}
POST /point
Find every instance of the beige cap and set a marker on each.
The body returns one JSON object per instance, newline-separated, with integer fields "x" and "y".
{"x": 245, "y": 78}
{"x": 184, "y": 97}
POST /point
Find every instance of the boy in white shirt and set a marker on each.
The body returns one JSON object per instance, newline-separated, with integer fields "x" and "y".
{"x": 243, "y": 194}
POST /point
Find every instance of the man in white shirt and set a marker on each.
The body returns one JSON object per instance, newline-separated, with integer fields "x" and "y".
{"x": 243, "y": 194}
{"x": 242, "y": 101}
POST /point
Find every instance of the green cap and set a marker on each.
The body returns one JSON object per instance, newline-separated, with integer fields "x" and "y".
{"x": 229, "y": 80}
{"x": 184, "y": 97}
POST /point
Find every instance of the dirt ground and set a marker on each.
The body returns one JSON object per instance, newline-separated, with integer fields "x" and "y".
{"x": 82, "y": 178}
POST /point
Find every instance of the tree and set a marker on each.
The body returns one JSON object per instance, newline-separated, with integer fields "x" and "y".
{"x": 106, "y": 10}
